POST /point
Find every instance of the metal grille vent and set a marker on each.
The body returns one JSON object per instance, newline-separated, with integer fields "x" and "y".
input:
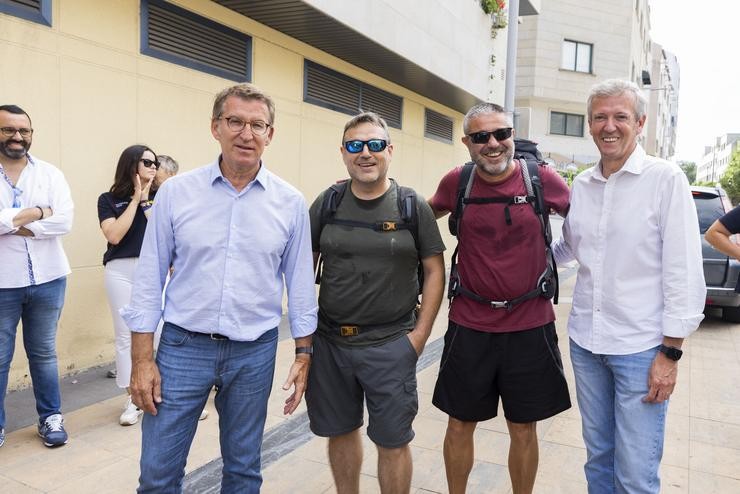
{"x": 330, "y": 89}
{"x": 437, "y": 126}
{"x": 182, "y": 37}
{"x": 32, "y": 10}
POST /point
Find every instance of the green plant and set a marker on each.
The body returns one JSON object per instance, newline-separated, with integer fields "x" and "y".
{"x": 730, "y": 181}
{"x": 492, "y": 6}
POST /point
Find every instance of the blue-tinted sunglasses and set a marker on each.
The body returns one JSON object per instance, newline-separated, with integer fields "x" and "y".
{"x": 374, "y": 145}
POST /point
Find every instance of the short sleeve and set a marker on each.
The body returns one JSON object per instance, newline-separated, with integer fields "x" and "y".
{"x": 105, "y": 207}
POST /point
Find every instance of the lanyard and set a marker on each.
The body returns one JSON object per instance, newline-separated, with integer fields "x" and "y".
{"x": 16, "y": 191}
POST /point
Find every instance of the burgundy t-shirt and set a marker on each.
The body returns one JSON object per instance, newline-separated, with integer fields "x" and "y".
{"x": 500, "y": 261}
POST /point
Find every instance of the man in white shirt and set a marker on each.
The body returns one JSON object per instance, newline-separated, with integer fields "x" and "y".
{"x": 35, "y": 211}
{"x": 640, "y": 291}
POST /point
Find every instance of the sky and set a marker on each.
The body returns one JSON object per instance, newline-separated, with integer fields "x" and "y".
{"x": 705, "y": 36}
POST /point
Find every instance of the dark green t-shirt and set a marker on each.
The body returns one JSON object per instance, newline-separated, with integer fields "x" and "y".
{"x": 369, "y": 277}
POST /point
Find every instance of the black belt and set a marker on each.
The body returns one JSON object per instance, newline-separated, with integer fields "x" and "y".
{"x": 354, "y": 329}
{"x": 213, "y": 336}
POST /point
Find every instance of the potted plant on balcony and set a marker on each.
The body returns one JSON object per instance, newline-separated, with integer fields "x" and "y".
{"x": 497, "y": 10}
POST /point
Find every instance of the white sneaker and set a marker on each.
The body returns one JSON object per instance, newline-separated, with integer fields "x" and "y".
{"x": 203, "y": 415}
{"x": 131, "y": 413}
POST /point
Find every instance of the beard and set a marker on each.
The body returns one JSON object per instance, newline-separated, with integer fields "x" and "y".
{"x": 495, "y": 169}
{"x": 14, "y": 154}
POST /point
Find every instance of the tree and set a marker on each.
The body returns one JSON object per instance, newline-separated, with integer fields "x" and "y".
{"x": 689, "y": 168}
{"x": 730, "y": 181}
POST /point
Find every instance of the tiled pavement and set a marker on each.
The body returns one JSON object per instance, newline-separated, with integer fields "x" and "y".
{"x": 702, "y": 448}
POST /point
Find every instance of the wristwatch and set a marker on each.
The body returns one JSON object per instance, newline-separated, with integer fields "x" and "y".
{"x": 672, "y": 353}
{"x": 304, "y": 349}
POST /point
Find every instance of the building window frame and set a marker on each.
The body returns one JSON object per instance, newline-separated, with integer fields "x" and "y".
{"x": 42, "y": 15}
{"x": 361, "y": 89}
{"x": 192, "y": 63}
{"x": 576, "y": 65}
{"x": 566, "y": 128}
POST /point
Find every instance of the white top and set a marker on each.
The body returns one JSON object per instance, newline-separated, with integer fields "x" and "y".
{"x": 636, "y": 238}
{"x": 42, "y": 185}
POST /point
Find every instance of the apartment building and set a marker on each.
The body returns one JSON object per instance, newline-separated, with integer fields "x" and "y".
{"x": 660, "y": 128}
{"x": 570, "y": 46}
{"x": 717, "y": 157}
{"x": 97, "y": 77}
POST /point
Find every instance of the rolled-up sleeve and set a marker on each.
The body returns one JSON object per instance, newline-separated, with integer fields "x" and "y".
{"x": 60, "y": 222}
{"x": 6, "y": 220}
{"x": 297, "y": 267}
{"x": 684, "y": 289}
{"x": 143, "y": 313}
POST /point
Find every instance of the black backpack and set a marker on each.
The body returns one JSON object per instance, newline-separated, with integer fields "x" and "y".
{"x": 406, "y": 208}
{"x": 547, "y": 284}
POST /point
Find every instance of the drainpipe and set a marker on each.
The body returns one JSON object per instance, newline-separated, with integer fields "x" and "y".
{"x": 511, "y": 43}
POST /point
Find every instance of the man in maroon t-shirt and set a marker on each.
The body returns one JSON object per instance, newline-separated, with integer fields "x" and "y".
{"x": 498, "y": 352}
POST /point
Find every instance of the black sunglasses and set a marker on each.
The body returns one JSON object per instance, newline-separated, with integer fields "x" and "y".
{"x": 483, "y": 137}
{"x": 149, "y": 163}
{"x": 374, "y": 145}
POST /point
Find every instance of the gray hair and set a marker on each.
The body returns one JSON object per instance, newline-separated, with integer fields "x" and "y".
{"x": 484, "y": 109}
{"x": 617, "y": 87}
{"x": 247, "y": 92}
{"x": 168, "y": 164}
{"x": 367, "y": 117}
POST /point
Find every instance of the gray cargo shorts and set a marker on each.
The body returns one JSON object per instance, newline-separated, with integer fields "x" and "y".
{"x": 384, "y": 375}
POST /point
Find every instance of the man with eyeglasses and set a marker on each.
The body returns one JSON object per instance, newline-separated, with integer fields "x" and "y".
{"x": 640, "y": 292}
{"x": 35, "y": 211}
{"x": 498, "y": 351}
{"x": 236, "y": 236}
{"x": 369, "y": 335}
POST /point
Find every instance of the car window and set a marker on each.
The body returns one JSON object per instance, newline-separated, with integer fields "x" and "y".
{"x": 709, "y": 208}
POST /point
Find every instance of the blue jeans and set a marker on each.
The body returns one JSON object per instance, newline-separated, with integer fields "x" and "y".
{"x": 623, "y": 435}
{"x": 190, "y": 364}
{"x": 38, "y": 307}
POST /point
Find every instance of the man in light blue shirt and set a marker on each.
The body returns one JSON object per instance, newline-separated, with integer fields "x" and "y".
{"x": 234, "y": 234}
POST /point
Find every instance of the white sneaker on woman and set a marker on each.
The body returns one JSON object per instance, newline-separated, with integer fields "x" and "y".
{"x": 131, "y": 413}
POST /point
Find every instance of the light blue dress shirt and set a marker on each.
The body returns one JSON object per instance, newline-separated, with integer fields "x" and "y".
{"x": 231, "y": 252}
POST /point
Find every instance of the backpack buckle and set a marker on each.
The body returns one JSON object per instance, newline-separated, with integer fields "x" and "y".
{"x": 499, "y": 305}
{"x": 349, "y": 330}
{"x": 520, "y": 199}
{"x": 388, "y": 226}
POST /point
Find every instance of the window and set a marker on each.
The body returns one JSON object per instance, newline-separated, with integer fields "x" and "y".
{"x": 330, "y": 89}
{"x": 437, "y": 126}
{"x": 566, "y": 124}
{"x": 31, "y": 10}
{"x": 179, "y": 36}
{"x": 576, "y": 56}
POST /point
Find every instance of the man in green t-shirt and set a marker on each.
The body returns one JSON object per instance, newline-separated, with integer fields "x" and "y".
{"x": 369, "y": 334}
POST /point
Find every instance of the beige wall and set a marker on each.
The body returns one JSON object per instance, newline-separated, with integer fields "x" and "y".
{"x": 91, "y": 93}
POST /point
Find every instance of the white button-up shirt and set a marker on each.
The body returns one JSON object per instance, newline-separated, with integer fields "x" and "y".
{"x": 636, "y": 238}
{"x": 42, "y": 185}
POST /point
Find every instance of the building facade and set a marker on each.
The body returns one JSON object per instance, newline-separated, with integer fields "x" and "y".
{"x": 716, "y": 158}
{"x": 662, "y": 120}
{"x": 562, "y": 52}
{"x": 97, "y": 77}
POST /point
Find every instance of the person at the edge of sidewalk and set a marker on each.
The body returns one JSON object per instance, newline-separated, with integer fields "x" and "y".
{"x": 492, "y": 350}
{"x": 369, "y": 338}
{"x": 36, "y": 209}
{"x": 235, "y": 236}
{"x": 123, "y": 213}
{"x": 639, "y": 293}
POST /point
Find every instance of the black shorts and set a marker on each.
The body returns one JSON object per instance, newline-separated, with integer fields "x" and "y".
{"x": 524, "y": 368}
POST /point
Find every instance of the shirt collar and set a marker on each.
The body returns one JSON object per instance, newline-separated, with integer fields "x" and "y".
{"x": 634, "y": 164}
{"x": 262, "y": 177}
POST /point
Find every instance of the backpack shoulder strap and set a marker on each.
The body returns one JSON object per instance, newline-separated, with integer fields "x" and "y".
{"x": 408, "y": 212}
{"x": 464, "y": 184}
{"x": 533, "y": 184}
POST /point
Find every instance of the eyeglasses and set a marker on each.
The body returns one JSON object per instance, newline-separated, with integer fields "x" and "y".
{"x": 10, "y": 131}
{"x": 484, "y": 137}
{"x": 258, "y": 127}
{"x": 150, "y": 163}
{"x": 374, "y": 145}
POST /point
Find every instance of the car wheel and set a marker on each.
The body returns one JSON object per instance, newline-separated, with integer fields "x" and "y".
{"x": 731, "y": 314}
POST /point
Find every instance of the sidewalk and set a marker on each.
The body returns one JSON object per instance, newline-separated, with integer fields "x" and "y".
{"x": 702, "y": 447}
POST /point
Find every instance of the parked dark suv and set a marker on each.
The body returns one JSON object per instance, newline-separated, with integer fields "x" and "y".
{"x": 720, "y": 272}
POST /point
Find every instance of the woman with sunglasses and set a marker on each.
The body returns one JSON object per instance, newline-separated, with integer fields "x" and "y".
{"x": 123, "y": 213}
